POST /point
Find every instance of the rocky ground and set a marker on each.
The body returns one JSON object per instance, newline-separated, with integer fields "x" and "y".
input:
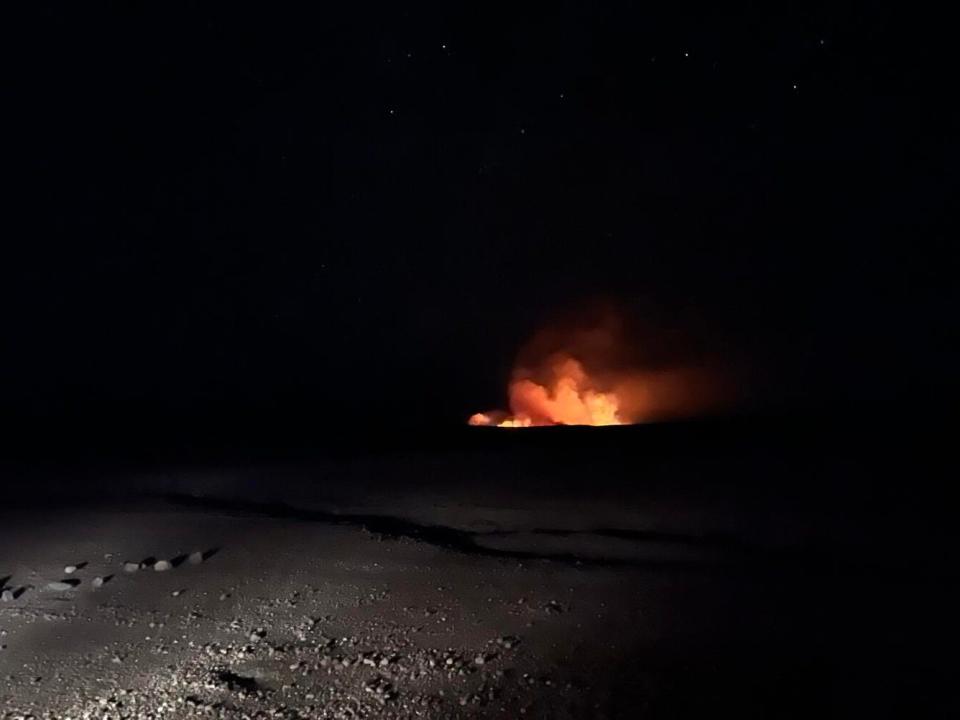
{"x": 171, "y": 608}
{"x": 149, "y": 614}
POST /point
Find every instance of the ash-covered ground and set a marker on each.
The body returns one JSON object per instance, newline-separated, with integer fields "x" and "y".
{"x": 662, "y": 573}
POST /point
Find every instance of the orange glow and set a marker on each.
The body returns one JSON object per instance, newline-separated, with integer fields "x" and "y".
{"x": 566, "y": 395}
{"x": 599, "y": 366}
{"x": 598, "y": 372}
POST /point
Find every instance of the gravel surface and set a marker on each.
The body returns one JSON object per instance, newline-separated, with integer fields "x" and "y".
{"x": 278, "y": 617}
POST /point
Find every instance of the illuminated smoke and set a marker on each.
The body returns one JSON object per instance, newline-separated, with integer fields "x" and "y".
{"x": 592, "y": 373}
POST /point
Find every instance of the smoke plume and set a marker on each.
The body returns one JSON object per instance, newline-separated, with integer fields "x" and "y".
{"x": 599, "y": 366}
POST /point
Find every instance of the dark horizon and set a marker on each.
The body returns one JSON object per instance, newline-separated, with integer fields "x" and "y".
{"x": 234, "y": 223}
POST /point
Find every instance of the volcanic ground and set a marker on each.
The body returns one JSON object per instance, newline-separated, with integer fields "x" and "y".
{"x": 648, "y": 575}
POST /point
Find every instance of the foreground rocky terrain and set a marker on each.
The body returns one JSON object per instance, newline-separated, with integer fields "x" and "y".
{"x": 218, "y": 616}
{"x": 346, "y": 594}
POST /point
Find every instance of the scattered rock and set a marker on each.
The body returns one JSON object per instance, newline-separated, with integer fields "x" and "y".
{"x": 258, "y": 635}
{"x": 62, "y": 585}
{"x": 71, "y": 569}
{"x": 483, "y": 658}
{"x": 235, "y": 682}
{"x": 195, "y": 558}
{"x": 162, "y": 565}
{"x": 131, "y": 567}
{"x": 101, "y": 580}
{"x": 508, "y": 641}
{"x": 380, "y": 688}
{"x": 6, "y": 595}
{"x": 177, "y": 593}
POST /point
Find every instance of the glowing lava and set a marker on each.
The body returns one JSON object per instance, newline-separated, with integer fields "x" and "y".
{"x": 600, "y": 366}
{"x": 565, "y": 395}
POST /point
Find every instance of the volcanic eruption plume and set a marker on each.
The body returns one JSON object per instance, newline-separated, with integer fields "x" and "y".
{"x": 568, "y": 396}
{"x": 594, "y": 372}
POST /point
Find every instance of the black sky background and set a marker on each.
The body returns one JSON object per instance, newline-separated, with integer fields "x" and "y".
{"x": 228, "y": 219}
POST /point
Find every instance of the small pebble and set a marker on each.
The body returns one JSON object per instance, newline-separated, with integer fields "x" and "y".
{"x": 98, "y": 581}
{"x": 131, "y": 567}
{"x": 61, "y": 586}
{"x": 195, "y": 558}
{"x": 70, "y": 569}
{"x": 6, "y": 596}
{"x": 162, "y": 565}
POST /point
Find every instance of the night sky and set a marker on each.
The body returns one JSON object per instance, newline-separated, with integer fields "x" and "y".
{"x": 227, "y": 219}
